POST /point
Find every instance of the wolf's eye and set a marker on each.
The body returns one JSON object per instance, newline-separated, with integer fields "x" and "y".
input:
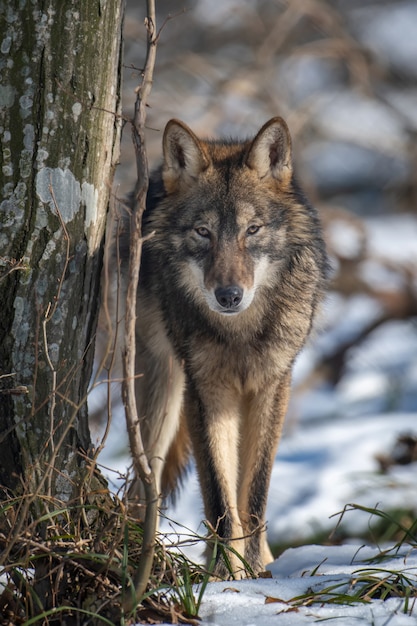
{"x": 203, "y": 231}
{"x": 252, "y": 229}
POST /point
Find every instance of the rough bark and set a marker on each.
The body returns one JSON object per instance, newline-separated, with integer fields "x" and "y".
{"x": 60, "y": 74}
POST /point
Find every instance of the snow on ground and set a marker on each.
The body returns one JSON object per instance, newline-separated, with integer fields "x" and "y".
{"x": 326, "y": 460}
{"x": 300, "y": 571}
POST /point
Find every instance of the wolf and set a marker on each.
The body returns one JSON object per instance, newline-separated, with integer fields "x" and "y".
{"x": 232, "y": 273}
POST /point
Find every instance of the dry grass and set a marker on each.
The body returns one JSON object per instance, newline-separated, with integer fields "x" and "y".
{"x": 75, "y": 565}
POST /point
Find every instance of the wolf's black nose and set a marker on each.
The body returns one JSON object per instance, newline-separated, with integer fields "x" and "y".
{"x": 229, "y": 297}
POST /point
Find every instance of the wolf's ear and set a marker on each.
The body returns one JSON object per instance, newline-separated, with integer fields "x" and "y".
{"x": 270, "y": 152}
{"x": 184, "y": 155}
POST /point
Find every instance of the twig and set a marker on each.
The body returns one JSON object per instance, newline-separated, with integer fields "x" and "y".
{"x": 14, "y": 265}
{"x": 50, "y": 311}
{"x": 141, "y": 464}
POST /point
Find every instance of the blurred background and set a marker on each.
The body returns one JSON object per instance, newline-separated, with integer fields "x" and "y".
{"x": 343, "y": 74}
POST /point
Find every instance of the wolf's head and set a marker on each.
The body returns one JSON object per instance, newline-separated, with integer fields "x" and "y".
{"x": 224, "y": 216}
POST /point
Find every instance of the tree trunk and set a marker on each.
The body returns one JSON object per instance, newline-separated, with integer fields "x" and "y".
{"x": 60, "y": 77}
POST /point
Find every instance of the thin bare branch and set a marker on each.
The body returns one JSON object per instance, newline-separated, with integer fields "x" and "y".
{"x": 141, "y": 464}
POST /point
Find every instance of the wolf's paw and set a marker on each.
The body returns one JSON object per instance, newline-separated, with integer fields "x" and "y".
{"x": 222, "y": 573}
{"x": 233, "y": 568}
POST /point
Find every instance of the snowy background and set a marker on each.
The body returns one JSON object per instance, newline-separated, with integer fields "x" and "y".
{"x": 343, "y": 74}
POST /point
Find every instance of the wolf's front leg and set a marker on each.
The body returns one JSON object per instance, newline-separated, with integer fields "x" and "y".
{"x": 213, "y": 422}
{"x": 261, "y": 431}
